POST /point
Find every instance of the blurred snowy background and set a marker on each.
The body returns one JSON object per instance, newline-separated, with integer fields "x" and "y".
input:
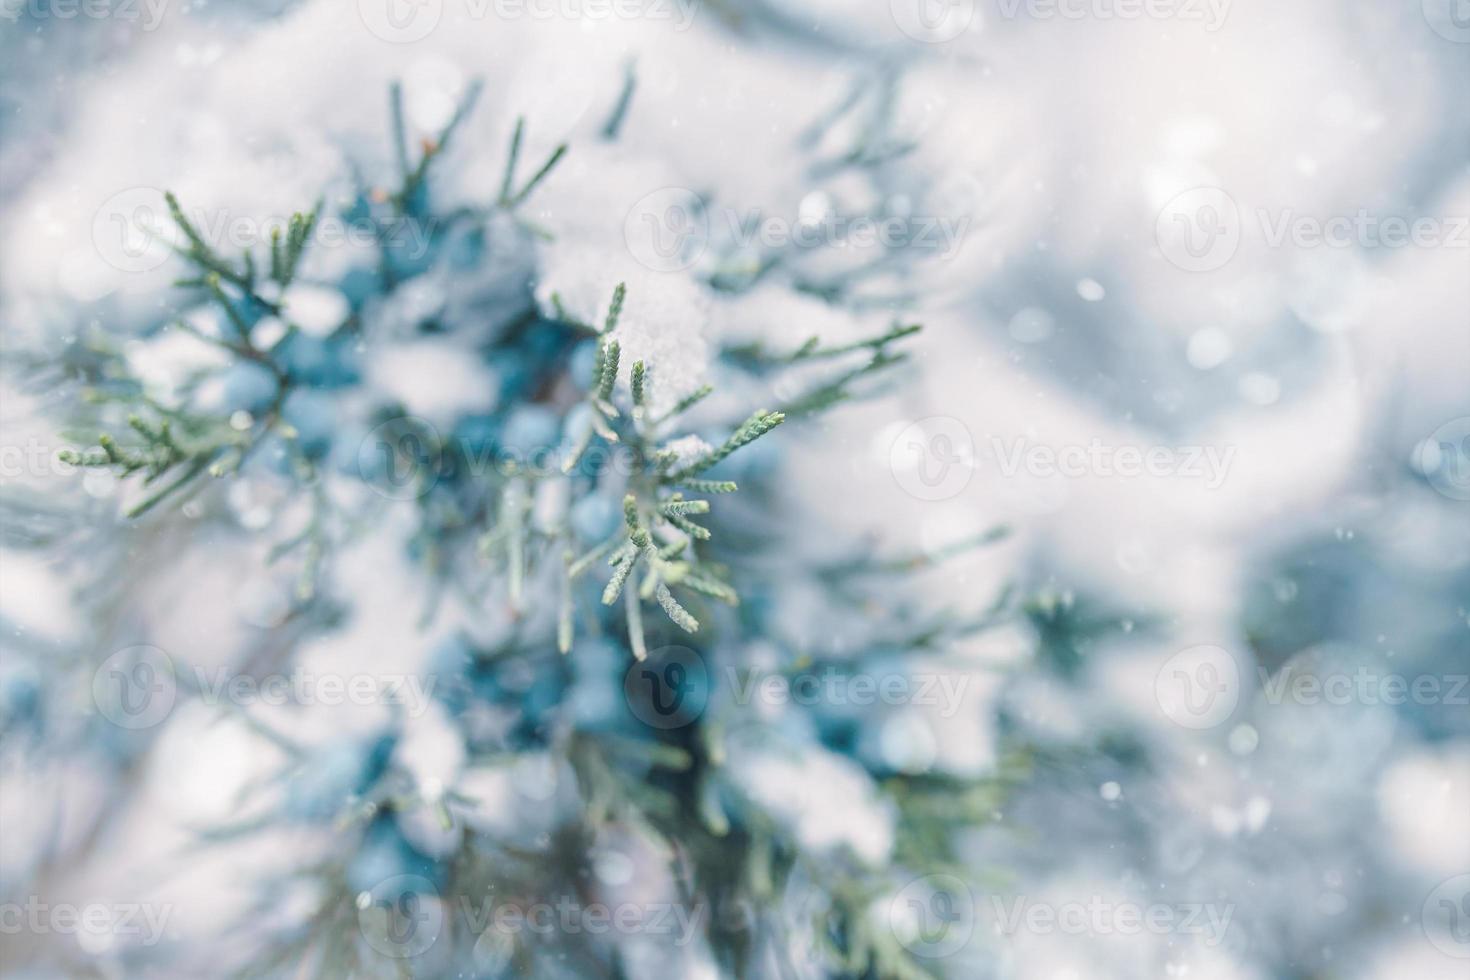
{"x": 1229, "y": 237}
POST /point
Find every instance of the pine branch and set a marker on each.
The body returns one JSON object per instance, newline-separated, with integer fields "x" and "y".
{"x": 512, "y": 159}
{"x": 687, "y": 402}
{"x": 615, "y": 308}
{"x": 752, "y": 429}
{"x": 683, "y": 508}
{"x": 708, "y": 486}
{"x": 510, "y": 201}
{"x": 608, "y": 373}
{"x": 637, "y": 382}
{"x": 695, "y": 531}
{"x": 619, "y": 579}
{"x": 615, "y": 119}
{"x": 711, "y": 586}
{"x": 680, "y": 616}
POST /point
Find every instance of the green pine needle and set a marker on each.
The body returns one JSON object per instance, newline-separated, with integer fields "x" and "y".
{"x": 620, "y": 108}
{"x": 638, "y": 382}
{"x": 619, "y": 578}
{"x": 676, "y": 612}
{"x": 615, "y": 309}
{"x": 564, "y": 606}
{"x": 812, "y": 349}
{"x": 688, "y": 402}
{"x": 278, "y": 257}
{"x": 512, "y": 159}
{"x": 509, "y": 201}
{"x": 683, "y": 508}
{"x": 609, "y": 374}
{"x": 400, "y": 131}
{"x": 709, "y": 486}
{"x": 633, "y": 609}
{"x": 199, "y": 249}
{"x": 690, "y": 528}
{"x": 752, "y": 429}
{"x": 626, "y": 550}
{"x": 711, "y": 586}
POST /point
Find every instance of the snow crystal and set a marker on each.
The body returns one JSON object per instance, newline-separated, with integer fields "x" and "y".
{"x": 774, "y": 315}
{"x": 316, "y": 310}
{"x": 432, "y": 749}
{"x": 1209, "y": 348}
{"x": 165, "y": 362}
{"x": 688, "y": 449}
{"x": 830, "y": 801}
{"x": 665, "y": 316}
{"x": 1031, "y": 325}
{"x": 434, "y": 380}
